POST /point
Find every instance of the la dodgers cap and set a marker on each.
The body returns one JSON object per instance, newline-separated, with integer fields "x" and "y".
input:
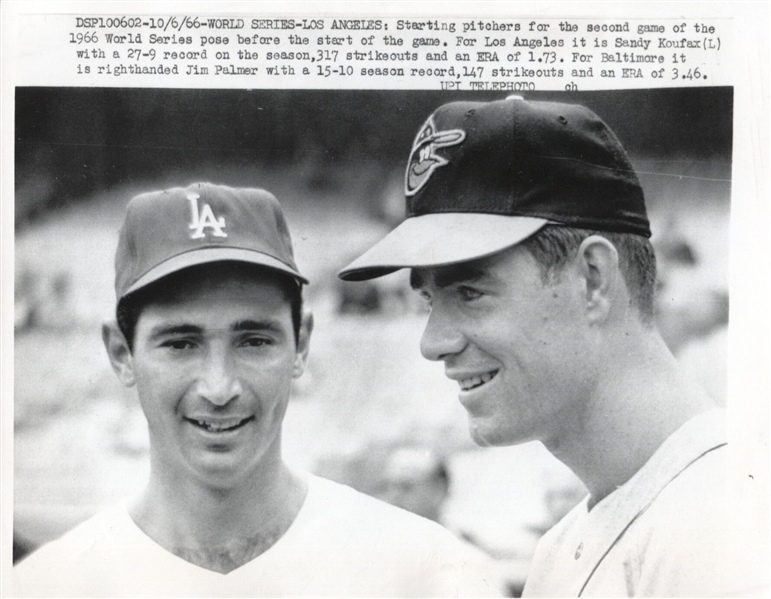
{"x": 166, "y": 231}
{"x": 483, "y": 176}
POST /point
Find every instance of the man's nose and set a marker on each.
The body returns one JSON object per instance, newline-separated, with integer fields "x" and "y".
{"x": 218, "y": 381}
{"x": 442, "y": 336}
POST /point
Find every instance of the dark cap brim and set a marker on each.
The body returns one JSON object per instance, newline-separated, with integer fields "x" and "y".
{"x": 210, "y": 254}
{"x": 441, "y": 239}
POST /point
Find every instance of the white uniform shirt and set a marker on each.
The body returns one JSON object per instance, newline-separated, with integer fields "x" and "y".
{"x": 668, "y": 532}
{"x": 342, "y": 543}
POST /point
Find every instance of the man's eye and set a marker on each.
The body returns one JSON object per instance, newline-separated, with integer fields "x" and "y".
{"x": 426, "y": 297}
{"x": 179, "y": 344}
{"x": 256, "y": 342}
{"x": 469, "y": 293}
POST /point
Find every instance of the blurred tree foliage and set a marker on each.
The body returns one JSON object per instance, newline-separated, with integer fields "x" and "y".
{"x": 73, "y": 142}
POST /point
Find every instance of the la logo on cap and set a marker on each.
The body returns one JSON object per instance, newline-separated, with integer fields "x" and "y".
{"x": 204, "y": 219}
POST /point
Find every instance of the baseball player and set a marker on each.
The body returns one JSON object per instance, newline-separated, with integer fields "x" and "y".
{"x": 528, "y": 236}
{"x": 211, "y": 331}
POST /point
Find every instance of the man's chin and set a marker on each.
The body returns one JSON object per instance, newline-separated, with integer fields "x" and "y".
{"x": 487, "y": 434}
{"x": 482, "y": 435}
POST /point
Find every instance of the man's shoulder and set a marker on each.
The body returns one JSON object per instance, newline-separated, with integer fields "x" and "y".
{"x": 70, "y": 553}
{"x": 336, "y": 504}
{"x": 697, "y": 499}
{"x": 703, "y": 484}
{"x": 686, "y": 481}
{"x": 80, "y": 538}
{"x": 366, "y": 531}
{"x": 701, "y": 497}
{"x": 670, "y": 530}
{"x": 698, "y": 519}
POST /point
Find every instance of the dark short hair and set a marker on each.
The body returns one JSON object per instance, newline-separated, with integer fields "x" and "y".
{"x": 553, "y": 245}
{"x": 130, "y": 307}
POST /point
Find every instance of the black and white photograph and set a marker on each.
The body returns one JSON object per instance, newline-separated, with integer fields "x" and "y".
{"x": 378, "y": 342}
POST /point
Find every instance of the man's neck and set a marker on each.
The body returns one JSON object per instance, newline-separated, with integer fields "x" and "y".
{"x": 218, "y": 528}
{"x": 640, "y": 400}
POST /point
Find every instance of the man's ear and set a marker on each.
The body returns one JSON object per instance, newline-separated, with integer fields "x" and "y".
{"x": 303, "y": 344}
{"x": 598, "y": 262}
{"x": 118, "y": 352}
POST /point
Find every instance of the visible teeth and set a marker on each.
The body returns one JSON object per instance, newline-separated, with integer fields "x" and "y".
{"x": 472, "y": 382}
{"x": 216, "y": 427}
{"x": 475, "y": 381}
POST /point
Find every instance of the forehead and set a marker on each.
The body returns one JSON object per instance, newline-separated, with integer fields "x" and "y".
{"x": 208, "y": 292}
{"x": 503, "y": 267}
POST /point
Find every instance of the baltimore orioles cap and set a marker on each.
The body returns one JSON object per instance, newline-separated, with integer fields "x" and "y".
{"x": 166, "y": 231}
{"x": 483, "y": 176}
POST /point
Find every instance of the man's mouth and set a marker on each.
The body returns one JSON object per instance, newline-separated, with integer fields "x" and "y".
{"x": 219, "y": 426}
{"x": 477, "y": 381}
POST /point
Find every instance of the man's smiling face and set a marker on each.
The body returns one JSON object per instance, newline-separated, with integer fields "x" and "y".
{"x": 213, "y": 361}
{"x": 515, "y": 345}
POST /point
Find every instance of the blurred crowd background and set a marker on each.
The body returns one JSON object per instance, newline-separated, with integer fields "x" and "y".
{"x": 370, "y": 411}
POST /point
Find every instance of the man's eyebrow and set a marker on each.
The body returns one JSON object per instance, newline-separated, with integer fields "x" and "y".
{"x": 175, "y": 329}
{"x": 164, "y": 330}
{"x": 450, "y": 275}
{"x": 256, "y": 325}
